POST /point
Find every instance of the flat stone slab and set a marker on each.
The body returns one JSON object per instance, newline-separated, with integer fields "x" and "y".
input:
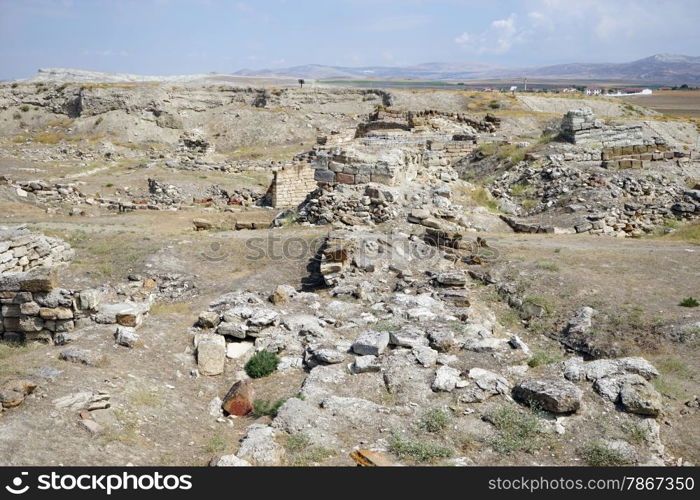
{"x": 371, "y": 343}
{"x": 550, "y": 394}
{"x": 82, "y": 357}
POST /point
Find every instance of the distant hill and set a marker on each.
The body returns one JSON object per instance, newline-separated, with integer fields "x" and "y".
{"x": 660, "y": 68}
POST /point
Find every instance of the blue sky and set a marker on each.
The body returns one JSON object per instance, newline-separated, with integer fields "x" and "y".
{"x": 198, "y": 36}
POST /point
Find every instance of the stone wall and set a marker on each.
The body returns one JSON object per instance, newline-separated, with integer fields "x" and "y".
{"x": 291, "y": 185}
{"x": 31, "y": 305}
{"x": 22, "y": 250}
{"x": 440, "y": 153}
{"x": 581, "y": 126}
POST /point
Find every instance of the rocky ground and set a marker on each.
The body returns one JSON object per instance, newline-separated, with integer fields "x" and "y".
{"x": 408, "y": 324}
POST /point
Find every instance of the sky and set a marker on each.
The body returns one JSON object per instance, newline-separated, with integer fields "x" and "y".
{"x": 166, "y": 37}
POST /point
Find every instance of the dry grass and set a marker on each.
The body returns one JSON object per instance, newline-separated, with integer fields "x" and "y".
{"x": 63, "y": 122}
{"x": 687, "y": 232}
{"x": 143, "y": 396}
{"x": 163, "y": 308}
{"x": 49, "y": 137}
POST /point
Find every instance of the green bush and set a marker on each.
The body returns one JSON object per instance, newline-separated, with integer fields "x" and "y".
{"x": 494, "y": 104}
{"x": 689, "y": 302}
{"x": 262, "y": 364}
{"x": 265, "y": 407}
{"x": 24, "y": 108}
{"x": 434, "y": 420}
{"x": 541, "y": 358}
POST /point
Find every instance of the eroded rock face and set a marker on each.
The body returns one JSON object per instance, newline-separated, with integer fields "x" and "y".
{"x": 549, "y": 394}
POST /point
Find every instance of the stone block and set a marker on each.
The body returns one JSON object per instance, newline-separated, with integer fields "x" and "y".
{"x": 345, "y": 178}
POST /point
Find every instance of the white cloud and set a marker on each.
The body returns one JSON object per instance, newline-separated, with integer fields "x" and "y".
{"x": 583, "y": 26}
{"x": 498, "y": 38}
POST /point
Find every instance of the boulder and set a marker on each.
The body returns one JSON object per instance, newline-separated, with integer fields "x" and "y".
{"x": 236, "y": 350}
{"x": 446, "y": 379}
{"x": 126, "y": 336}
{"x": 228, "y": 461}
{"x": 282, "y": 294}
{"x": 550, "y": 394}
{"x": 82, "y": 356}
{"x": 365, "y": 364}
{"x": 208, "y": 319}
{"x": 408, "y": 337}
{"x": 211, "y": 354}
{"x": 371, "y": 343}
{"x": 441, "y": 340}
{"x": 327, "y": 354}
{"x": 259, "y": 446}
{"x": 639, "y": 396}
{"x": 13, "y": 392}
{"x": 239, "y": 399}
{"x": 425, "y": 355}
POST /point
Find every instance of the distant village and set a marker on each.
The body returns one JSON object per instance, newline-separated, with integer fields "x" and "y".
{"x": 580, "y": 89}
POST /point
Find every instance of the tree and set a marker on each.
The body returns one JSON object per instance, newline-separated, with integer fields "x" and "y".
{"x": 301, "y": 82}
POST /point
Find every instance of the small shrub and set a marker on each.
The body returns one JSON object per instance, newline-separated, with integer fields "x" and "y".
{"x": 16, "y": 116}
{"x": 386, "y": 326}
{"x": 481, "y": 196}
{"x": 109, "y": 185}
{"x": 267, "y": 408}
{"x": 600, "y": 455}
{"x": 488, "y": 148}
{"x": 14, "y": 85}
{"x": 434, "y": 420}
{"x": 261, "y": 364}
{"x": 547, "y": 266}
{"x": 689, "y": 302}
{"x": 541, "y": 358}
{"x": 516, "y": 431}
{"x": 494, "y": 104}
{"x": 214, "y": 444}
{"x": 300, "y": 451}
{"x": 420, "y": 451}
{"x": 546, "y": 137}
{"x": 529, "y": 203}
{"x": 541, "y": 301}
{"x": 520, "y": 189}
{"x": 24, "y": 108}
{"x": 637, "y": 434}
{"x": 675, "y": 367}
{"x": 668, "y": 387}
